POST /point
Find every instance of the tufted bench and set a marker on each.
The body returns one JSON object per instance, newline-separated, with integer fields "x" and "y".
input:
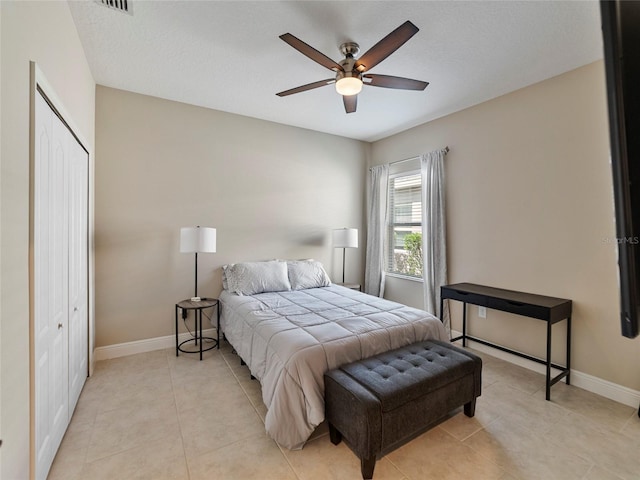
{"x": 381, "y": 402}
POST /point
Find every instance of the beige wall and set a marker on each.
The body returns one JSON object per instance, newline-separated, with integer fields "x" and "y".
{"x": 530, "y": 207}
{"x": 272, "y": 191}
{"x": 43, "y": 32}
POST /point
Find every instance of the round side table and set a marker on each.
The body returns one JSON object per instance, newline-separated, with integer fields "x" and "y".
{"x": 198, "y": 340}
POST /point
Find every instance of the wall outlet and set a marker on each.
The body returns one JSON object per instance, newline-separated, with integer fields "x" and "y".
{"x": 482, "y": 312}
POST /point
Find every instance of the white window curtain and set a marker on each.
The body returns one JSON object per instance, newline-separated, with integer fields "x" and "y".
{"x": 376, "y": 229}
{"x": 434, "y": 250}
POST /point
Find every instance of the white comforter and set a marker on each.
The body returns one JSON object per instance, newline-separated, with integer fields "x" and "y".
{"x": 290, "y": 339}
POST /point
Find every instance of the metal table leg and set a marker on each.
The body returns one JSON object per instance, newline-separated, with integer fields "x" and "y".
{"x": 548, "y": 363}
{"x": 200, "y": 315}
{"x": 464, "y": 324}
{"x": 568, "y": 350}
{"x": 177, "y": 349}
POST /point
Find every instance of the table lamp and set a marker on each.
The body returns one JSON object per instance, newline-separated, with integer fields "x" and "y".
{"x": 345, "y": 238}
{"x": 197, "y": 240}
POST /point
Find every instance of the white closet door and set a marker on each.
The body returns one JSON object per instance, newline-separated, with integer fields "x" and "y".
{"x": 43, "y": 146}
{"x": 78, "y": 272}
{"x": 51, "y": 283}
{"x": 59, "y": 258}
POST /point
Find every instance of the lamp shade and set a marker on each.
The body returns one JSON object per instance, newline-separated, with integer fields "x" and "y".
{"x": 197, "y": 240}
{"x": 345, "y": 238}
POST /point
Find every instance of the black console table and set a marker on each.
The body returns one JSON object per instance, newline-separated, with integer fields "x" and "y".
{"x": 549, "y": 309}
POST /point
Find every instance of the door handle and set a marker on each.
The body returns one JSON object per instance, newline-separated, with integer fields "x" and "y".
{"x": 59, "y": 326}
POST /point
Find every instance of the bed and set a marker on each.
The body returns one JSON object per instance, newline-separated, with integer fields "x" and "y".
{"x": 290, "y": 325}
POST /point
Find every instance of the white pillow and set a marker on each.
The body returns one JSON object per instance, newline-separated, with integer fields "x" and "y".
{"x": 307, "y": 274}
{"x": 250, "y": 278}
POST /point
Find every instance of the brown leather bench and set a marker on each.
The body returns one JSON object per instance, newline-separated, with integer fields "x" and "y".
{"x": 379, "y": 403}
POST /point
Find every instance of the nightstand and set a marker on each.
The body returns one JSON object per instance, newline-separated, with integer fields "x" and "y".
{"x": 198, "y": 339}
{"x": 352, "y": 286}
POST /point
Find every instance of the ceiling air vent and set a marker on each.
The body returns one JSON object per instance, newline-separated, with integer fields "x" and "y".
{"x": 120, "y": 5}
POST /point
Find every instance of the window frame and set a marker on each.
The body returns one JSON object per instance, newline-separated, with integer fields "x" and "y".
{"x": 392, "y": 225}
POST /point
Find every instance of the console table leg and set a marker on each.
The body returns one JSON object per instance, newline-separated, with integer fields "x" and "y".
{"x": 568, "y": 350}
{"x": 464, "y": 324}
{"x": 548, "y": 360}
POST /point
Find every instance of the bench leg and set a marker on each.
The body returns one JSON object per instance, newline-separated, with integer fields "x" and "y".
{"x": 366, "y": 466}
{"x": 470, "y": 408}
{"x": 334, "y": 435}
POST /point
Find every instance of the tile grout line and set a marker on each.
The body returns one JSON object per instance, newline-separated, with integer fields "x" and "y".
{"x": 93, "y": 430}
{"x": 293, "y": 470}
{"x": 175, "y": 403}
{"x": 570, "y": 451}
{"x": 242, "y": 387}
{"x": 258, "y": 414}
{"x": 462, "y": 442}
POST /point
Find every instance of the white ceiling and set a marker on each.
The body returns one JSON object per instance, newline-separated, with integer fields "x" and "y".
{"x": 226, "y": 55}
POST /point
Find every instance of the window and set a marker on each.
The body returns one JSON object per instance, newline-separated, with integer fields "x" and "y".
{"x": 405, "y": 225}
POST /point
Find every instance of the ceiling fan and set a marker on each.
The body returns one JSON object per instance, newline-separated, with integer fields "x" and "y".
{"x": 350, "y": 72}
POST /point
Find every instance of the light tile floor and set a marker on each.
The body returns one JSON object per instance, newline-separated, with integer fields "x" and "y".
{"x": 158, "y": 416}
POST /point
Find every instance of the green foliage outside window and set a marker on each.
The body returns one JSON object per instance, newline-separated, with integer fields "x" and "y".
{"x": 413, "y": 247}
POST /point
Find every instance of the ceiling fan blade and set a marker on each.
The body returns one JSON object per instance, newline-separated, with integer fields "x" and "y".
{"x": 350, "y": 103}
{"x": 310, "y": 52}
{"x": 386, "y": 46}
{"x": 388, "y": 81}
{"x": 308, "y": 86}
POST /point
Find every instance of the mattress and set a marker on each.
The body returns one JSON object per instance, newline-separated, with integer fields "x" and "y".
{"x": 290, "y": 339}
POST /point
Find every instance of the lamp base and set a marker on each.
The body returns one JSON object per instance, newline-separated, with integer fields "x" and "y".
{"x": 195, "y": 299}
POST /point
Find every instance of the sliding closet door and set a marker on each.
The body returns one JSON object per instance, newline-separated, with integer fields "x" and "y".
{"x": 51, "y": 269}
{"x": 78, "y": 271}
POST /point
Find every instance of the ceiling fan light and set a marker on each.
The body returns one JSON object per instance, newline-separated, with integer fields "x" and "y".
{"x": 349, "y": 86}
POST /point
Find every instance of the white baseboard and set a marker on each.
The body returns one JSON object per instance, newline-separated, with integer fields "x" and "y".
{"x": 142, "y": 346}
{"x": 604, "y": 388}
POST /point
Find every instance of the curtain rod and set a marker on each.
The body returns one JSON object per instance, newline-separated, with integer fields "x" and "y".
{"x": 445, "y": 150}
